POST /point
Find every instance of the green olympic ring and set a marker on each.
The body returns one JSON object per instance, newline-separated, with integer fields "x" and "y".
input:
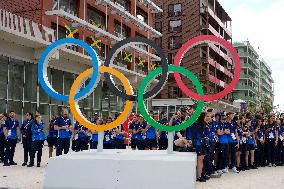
{"x": 143, "y": 109}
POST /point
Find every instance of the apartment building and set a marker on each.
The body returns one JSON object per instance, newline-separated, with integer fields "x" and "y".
{"x": 256, "y": 82}
{"x": 27, "y": 27}
{"x": 180, "y": 21}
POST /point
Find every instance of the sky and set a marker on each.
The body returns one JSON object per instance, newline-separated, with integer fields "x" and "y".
{"x": 262, "y": 23}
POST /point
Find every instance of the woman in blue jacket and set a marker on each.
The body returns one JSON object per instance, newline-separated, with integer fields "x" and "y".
{"x": 271, "y": 140}
{"x": 38, "y": 138}
{"x": 195, "y": 134}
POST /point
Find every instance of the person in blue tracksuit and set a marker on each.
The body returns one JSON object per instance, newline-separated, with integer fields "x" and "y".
{"x": 139, "y": 135}
{"x": 133, "y": 127}
{"x": 249, "y": 134}
{"x": 38, "y": 138}
{"x": 260, "y": 141}
{"x": 95, "y": 137}
{"x": 52, "y": 136}
{"x": 150, "y": 137}
{"x": 81, "y": 137}
{"x": 196, "y": 135}
{"x": 118, "y": 136}
{"x": 222, "y": 132}
{"x": 3, "y": 118}
{"x": 63, "y": 125}
{"x": 238, "y": 124}
{"x": 11, "y": 128}
{"x": 271, "y": 140}
{"x": 27, "y": 136}
{"x": 163, "y": 137}
{"x": 232, "y": 140}
{"x": 108, "y": 140}
{"x": 281, "y": 144}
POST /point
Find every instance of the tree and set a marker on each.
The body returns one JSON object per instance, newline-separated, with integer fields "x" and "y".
{"x": 266, "y": 105}
{"x": 252, "y": 107}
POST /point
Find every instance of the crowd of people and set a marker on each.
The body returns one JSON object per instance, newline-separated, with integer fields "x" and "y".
{"x": 222, "y": 141}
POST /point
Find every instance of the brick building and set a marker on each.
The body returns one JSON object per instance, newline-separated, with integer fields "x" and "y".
{"x": 28, "y": 26}
{"x": 182, "y": 20}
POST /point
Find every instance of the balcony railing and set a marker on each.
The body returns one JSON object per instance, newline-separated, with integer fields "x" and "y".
{"x": 83, "y": 23}
{"x": 212, "y": 13}
{"x": 217, "y": 81}
{"x": 155, "y": 8}
{"x": 247, "y": 76}
{"x": 128, "y": 16}
{"x": 218, "y": 51}
{"x": 246, "y": 87}
{"x": 219, "y": 67}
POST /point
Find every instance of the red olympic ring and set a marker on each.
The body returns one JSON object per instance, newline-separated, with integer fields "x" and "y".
{"x": 230, "y": 87}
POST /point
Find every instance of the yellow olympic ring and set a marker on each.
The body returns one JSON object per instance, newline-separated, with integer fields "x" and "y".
{"x": 74, "y": 107}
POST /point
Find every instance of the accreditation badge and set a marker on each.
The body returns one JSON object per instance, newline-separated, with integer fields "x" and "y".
{"x": 233, "y": 136}
{"x": 10, "y": 132}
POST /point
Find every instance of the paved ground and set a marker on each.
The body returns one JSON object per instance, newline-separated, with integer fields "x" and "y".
{"x": 32, "y": 178}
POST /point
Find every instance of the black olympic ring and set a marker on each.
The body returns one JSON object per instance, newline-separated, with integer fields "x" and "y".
{"x": 134, "y": 40}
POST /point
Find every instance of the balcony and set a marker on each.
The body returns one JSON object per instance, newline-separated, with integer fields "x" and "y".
{"x": 213, "y": 31}
{"x": 213, "y": 79}
{"x": 213, "y": 15}
{"x": 128, "y": 16}
{"x": 152, "y": 5}
{"x": 219, "y": 67}
{"x": 247, "y": 76}
{"x": 251, "y": 68}
{"x": 91, "y": 27}
{"x": 218, "y": 51}
{"x": 246, "y": 87}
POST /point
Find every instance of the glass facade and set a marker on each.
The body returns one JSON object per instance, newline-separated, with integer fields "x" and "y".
{"x": 20, "y": 92}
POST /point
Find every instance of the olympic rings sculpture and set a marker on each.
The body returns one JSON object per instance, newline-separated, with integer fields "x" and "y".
{"x": 75, "y": 95}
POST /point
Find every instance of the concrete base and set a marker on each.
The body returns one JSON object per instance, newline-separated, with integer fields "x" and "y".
{"x": 121, "y": 169}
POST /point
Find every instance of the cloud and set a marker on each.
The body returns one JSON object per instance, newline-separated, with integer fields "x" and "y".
{"x": 263, "y": 25}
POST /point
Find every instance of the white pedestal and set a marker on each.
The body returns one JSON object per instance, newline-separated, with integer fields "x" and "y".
{"x": 121, "y": 169}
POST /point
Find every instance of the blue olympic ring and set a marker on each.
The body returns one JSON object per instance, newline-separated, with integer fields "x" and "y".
{"x": 42, "y": 69}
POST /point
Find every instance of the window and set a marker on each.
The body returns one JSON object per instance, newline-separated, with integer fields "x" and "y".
{"x": 170, "y": 58}
{"x": 96, "y": 17}
{"x": 141, "y": 15}
{"x": 175, "y": 10}
{"x": 30, "y": 87}
{"x": 123, "y": 3}
{"x": 159, "y": 41}
{"x": 173, "y": 92}
{"x": 175, "y": 25}
{"x": 175, "y": 42}
{"x": 69, "y": 6}
{"x": 158, "y": 26}
{"x": 4, "y": 76}
{"x": 121, "y": 30}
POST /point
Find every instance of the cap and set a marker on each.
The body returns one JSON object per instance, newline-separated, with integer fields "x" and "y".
{"x": 223, "y": 113}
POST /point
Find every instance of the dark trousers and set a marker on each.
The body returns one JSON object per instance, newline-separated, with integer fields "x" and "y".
{"x": 208, "y": 159}
{"x": 63, "y": 144}
{"x": 93, "y": 144}
{"x": 271, "y": 151}
{"x": 280, "y": 153}
{"x": 37, "y": 146}
{"x": 81, "y": 144}
{"x": 260, "y": 154}
{"x": 27, "y": 145}
{"x": 119, "y": 143}
{"x": 10, "y": 150}
{"x": 2, "y": 147}
{"x": 223, "y": 156}
{"x": 140, "y": 144}
{"x": 232, "y": 154}
{"x": 163, "y": 143}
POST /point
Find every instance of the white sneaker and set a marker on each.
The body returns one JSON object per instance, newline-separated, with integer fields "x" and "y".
{"x": 225, "y": 171}
{"x": 215, "y": 175}
{"x": 269, "y": 165}
{"x": 235, "y": 170}
{"x": 220, "y": 172}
